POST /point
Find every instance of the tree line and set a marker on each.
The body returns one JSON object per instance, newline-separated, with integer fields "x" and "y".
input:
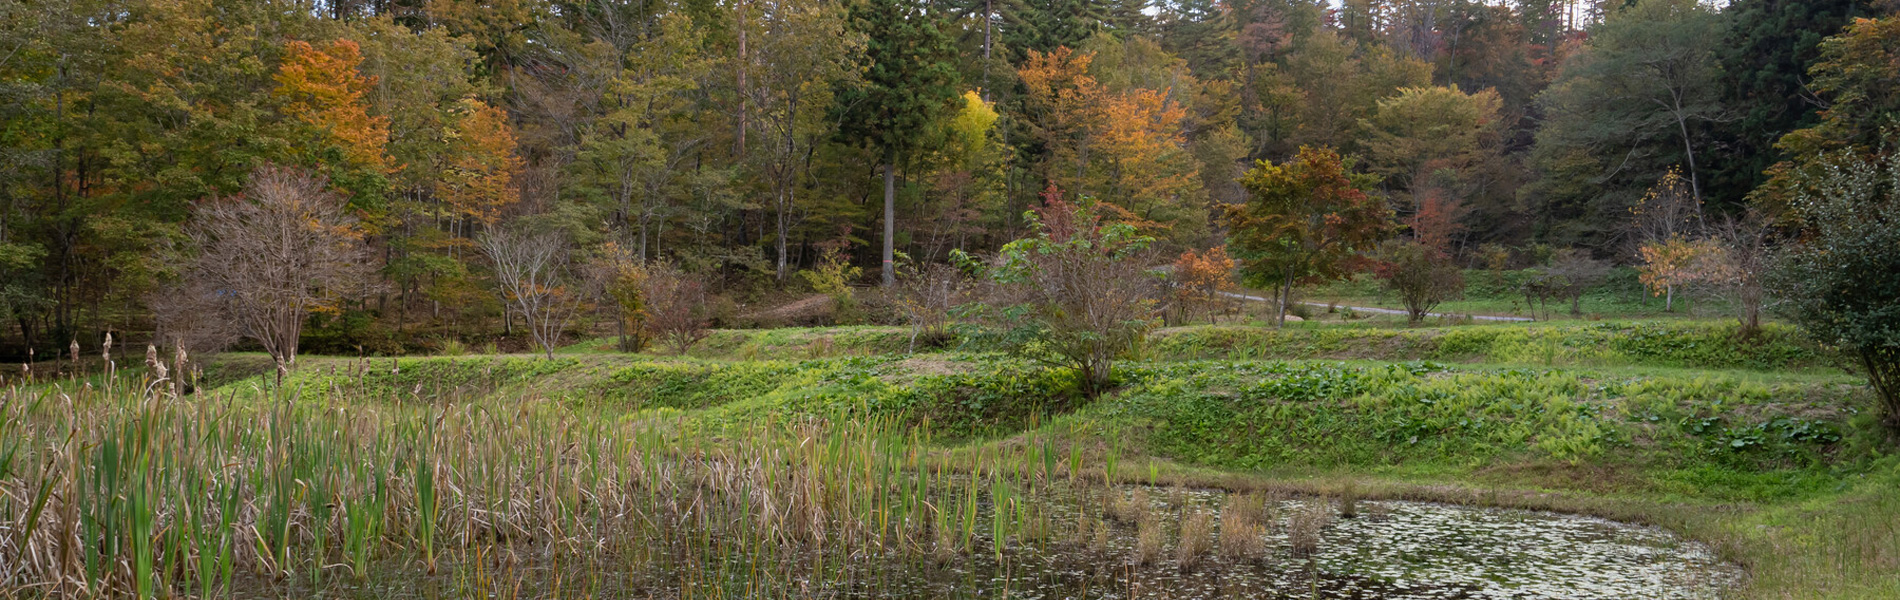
{"x": 475, "y": 152}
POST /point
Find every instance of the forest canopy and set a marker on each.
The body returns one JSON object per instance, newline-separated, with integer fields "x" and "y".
{"x": 741, "y": 141}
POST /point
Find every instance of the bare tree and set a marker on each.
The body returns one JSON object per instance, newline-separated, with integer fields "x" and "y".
{"x": 1573, "y": 272}
{"x": 1670, "y": 210}
{"x": 267, "y": 258}
{"x": 536, "y": 281}
{"x": 191, "y": 315}
{"x": 676, "y": 306}
{"x": 1745, "y": 260}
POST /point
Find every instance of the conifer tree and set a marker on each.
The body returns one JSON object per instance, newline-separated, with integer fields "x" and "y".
{"x": 909, "y": 84}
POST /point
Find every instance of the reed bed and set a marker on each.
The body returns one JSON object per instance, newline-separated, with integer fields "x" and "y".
{"x": 132, "y": 489}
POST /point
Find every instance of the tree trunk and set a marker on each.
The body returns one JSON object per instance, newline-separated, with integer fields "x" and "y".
{"x": 781, "y": 227}
{"x": 1695, "y": 185}
{"x": 890, "y": 219}
{"x": 1286, "y": 297}
{"x": 1669, "y": 299}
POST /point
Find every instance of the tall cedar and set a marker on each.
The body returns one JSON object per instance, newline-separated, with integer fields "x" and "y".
{"x": 909, "y": 85}
{"x": 1771, "y": 44}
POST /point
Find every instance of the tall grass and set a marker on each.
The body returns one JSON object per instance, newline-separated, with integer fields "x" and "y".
{"x": 130, "y": 490}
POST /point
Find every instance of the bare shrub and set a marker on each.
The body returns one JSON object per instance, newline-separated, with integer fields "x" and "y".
{"x": 536, "y": 281}
{"x": 1573, "y": 272}
{"x": 677, "y": 307}
{"x": 1744, "y": 263}
{"x": 1197, "y": 538}
{"x": 1088, "y": 289}
{"x": 925, "y": 296}
{"x": 286, "y": 247}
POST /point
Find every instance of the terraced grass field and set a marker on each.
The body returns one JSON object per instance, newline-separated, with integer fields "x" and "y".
{"x": 823, "y": 444}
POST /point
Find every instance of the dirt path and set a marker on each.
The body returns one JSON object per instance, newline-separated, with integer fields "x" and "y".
{"x": 1388, "y": 311}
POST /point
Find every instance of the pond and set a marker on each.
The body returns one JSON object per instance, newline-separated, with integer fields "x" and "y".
{"x": 1388, "y": 550}
{"x": 1089, "y": 544}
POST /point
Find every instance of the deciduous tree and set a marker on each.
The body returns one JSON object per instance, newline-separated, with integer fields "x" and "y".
{"x": 537, "y": 280}
{"x": 1307, "y": 220}
{"x": 285, "y": 248}
{"x": 479, "y": 182}
{"x": 1422, "y": 276}
{"x": 322, "y": 89}
{"x": 1837, "y": 279}
{"x": 1202, "y": 281}
{"x": 1677, "y": 262}
{"x": 1634, "y": 102}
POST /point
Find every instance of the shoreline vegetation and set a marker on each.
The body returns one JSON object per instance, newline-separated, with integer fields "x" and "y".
{"x": 1768, "y": 467}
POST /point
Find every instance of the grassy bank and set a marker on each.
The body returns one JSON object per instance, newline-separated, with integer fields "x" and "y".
{"x": 1777, "y": 469}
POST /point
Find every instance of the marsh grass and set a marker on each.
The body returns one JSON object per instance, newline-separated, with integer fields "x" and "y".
{"x": 1307, "y": 524}
{"x": 251, "y": 486}
{"x": 1242, "y": 534}
{"x": 1197, "y": 539}
{"x": 1130, "y": 509}
{"x": 1150, "y": 540}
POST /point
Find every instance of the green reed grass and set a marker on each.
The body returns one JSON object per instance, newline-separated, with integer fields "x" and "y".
{"x": 129, "y": 490}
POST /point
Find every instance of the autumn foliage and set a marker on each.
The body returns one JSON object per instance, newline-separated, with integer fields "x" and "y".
{"x": 1122, "y": 147}
{"x": 1677, "y": 262}
{"x": 1202, "y": 280}
{"x": 479, "y": 181}
{"x": 1306, "y": 221}
{"x": 322, "y": 88}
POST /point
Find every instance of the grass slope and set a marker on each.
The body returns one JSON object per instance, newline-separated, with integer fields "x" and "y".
{"x": 1777, "y": 468}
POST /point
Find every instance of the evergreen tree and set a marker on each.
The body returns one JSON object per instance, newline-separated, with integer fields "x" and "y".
{"x": 1770, "y": 45}
{"x": 909, "y": 84}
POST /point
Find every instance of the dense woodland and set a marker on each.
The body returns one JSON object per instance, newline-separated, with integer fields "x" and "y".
{"x": 740, "y": 142}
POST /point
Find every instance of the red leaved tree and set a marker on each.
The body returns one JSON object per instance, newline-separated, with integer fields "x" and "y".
{"x": 1305, "y": 221}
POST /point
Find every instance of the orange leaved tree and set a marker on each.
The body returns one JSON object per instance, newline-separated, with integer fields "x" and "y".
{"x": 1202, "y": 281}
{"x": 1676, "y": 262}
{"x": 322, "y": 91}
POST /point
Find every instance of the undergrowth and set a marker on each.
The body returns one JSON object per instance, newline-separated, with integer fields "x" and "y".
{"x": 1652, "y": 344}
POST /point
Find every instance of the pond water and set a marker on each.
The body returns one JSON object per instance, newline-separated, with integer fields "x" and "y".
{"x": 1388, "y": 550}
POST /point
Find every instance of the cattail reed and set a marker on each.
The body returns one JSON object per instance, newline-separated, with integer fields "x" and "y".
{"x": 369, "y": 474}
